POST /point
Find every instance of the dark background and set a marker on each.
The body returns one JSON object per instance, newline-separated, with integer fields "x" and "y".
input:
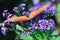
{"x": 7, "y": 4}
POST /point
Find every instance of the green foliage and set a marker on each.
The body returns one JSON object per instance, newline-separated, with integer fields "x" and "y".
{"x": 55, "y": 38}
{"x": 0, "y": 24}
{"x": 58, "y": 8}
{"x": 19, "y": 27}
{"x": 58, "y": 13}
{"x": 36, "y": 35}
{"x": 26, "y": 37}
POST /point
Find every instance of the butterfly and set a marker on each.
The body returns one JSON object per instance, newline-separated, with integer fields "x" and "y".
{"x": 31, "y": 15}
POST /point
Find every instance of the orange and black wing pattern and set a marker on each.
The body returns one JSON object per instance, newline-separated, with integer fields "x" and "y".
{"x": 31, "y": 15}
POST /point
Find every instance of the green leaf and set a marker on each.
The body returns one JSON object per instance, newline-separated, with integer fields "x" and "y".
{"x": 19, "y": 28}
{"x": 40, "y": 35}
{"x": 26, "y": 37}
{"x": 58, "y": 13}
{"x": 17, "y": 32}
{"x": 34, "y": 36}
{"x": 0, "y": 24}
{"x": 55, "y": 32}
{"x": 58, "y": 38}
{"x": 58, "y": 17}
{"x": 58, "y": 8}
{"x": 55, "y": 38}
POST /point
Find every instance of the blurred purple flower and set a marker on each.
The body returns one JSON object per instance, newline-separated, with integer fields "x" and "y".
{"x": 52, "y": 0}
{"x": 43, "y": 24}
{"x": 5, "y": 13}
{"x": 5, "y": 10}
{"x": 51, "y": 23}
{"x": 34, "y": 8}
{"x": 15, "y": 9}
{"x": 38, "y": 6}
{"x": 29, "y": 28}
{"x": 35, "y": 2}
{"x": 21, "y": 5}
{"x": 25, "y": 13}
{"x": 26, "y": 33}
{"x": 13, "y": 25}
{"x": 43, "y": 15}
{"x": 4, "y": 23}
{"x": 47, "y": 3}
{"x": 34, "y": 26}
{"x": 54, "y": 9}
{"x": 51, "y": 10}
{"x": 10, "y": 15}
{"x": 58, "y": 0}
{"x": 23, "y": 8}
{"x": 3, "y": 30}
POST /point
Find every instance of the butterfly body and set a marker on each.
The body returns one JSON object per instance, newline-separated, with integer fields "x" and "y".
{"x": 31, "y": 15}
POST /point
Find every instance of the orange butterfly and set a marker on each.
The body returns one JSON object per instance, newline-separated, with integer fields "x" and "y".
{"x": 31, "y": 15}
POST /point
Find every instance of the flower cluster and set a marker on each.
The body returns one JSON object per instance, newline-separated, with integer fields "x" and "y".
{"x": 4, "y": 30}
{"x": 44, "y": 24}
{"x": 39, "y": 22}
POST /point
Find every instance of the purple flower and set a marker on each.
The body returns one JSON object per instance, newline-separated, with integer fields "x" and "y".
{"x": 29, "y": 28}
{"x": 5, "y": 10}
{"x": 3, "y": 30}
{"x": 34, "y": 8}
{"x": 5, "y": 13}
{"x": 26, "y": 33}
{"x": 10, "y": 15}
{"x": 52, "y": 0}
{"x": 43, "y": 24}
{"x": 51, "y": 23}
{"x": 51, "y": 10}
{"x": 43, "y": 15}
{"x": 4, "y": 23}
{"x": 15, "y": 9}
{"x": 47, "y": 3}
{"x": 58, "y": 0}
{"x": 35, "y": 2}
{"x": 25, "y": 13}
{"x": 23, "y": 8}
{"x": 13, "y": 24}
{"x": 34, "y": 26}
{"x": 21, "y": 5}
